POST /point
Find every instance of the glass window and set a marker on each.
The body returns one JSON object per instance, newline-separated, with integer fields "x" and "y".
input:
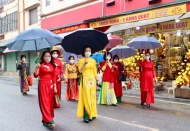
{"x": 48, "y": 2}
{"x": 33, "y": 16}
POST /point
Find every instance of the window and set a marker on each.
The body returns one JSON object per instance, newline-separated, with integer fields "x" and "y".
{"x": 3, "y": 2}
{"x": 33, "y": 16}
{"x": 48, "y": 2}
{"x": 9, "y": 23}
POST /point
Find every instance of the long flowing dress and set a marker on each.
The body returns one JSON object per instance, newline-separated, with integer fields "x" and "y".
{"x": 117, "y": 84}
{"x": 58, "y": 71}
{"x": 72, "y": 85}
{"x": 146, "y": 82}
{"x": 87, "y": 92}
{"x": 46, "y": 91}
{"x": 107, "y": 94}
{"x": 24, "y": 72}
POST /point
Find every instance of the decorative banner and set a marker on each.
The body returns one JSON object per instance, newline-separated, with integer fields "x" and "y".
{"x": 164, "y": 27}
{"x": 157, "y": 13}
{"x": 70, "y": 28}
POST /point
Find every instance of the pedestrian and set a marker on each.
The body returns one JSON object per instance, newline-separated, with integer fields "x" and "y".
{"x": 107, "y": 94}
{"x": 24, "y": 72}
{"x": 59, "y": 73}
{"x": 45, "y": 70}
{"x": 118, "y": 69}
{"x": 87, "y": 92}
{"x": 146, "y": 80}
{"x": 71, "y": 75}
{"x": 37, "y": 58}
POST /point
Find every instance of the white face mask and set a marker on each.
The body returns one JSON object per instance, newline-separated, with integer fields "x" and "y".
{"x": 87, "y": 54}
{"x": 108, "y": 57}
{"x": 49, "y": 59}
{"x": 147, "y": 57}
{"x": 23, "y": 59}
{"x": 71, "y": 61}
{"x": 55, "y": 55}
{"x": 116, "y": 60}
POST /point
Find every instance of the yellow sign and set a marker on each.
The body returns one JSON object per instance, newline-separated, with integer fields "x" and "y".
{"x": 157, "y": 13}
{"x": 164, "y": 27}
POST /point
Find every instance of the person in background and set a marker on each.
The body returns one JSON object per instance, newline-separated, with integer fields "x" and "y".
{"x": 118, "y": 69}
{"x": 87, "y": 93}
{"x": 59, "y": 72}
{"x": 107, "y": 94}
{"x": 45, "y": 70}
{"x": 147, "y": 79}
{"x": 24, "y": 72}
{"x": 37, "y": 58}
{"x": 71, "y": 75}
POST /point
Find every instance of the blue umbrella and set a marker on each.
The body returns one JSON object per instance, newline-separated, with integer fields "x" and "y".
{"x": 34, "y": 39}
{"x": 123, "y": 51}
{"x": 98, "y": 57}
{"x": 76, "y": 41}
{"x": 144, "y": 42}
{"x": 67, "y": 55}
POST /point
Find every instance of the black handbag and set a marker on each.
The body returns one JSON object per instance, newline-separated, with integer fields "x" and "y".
{"x": 122, "y": 77}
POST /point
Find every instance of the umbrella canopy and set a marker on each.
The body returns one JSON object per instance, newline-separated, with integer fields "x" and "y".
{"x": 76, "y": 41}
{"x": 9, "y": 51}
{"x": 113, "y": 41}
{"x": 123, "y": 51}
{"x": 68, "y": 54}
{"x": 144, "y": 42}
{"x": 34, "y": 39}
{"x": 98, "y": 57}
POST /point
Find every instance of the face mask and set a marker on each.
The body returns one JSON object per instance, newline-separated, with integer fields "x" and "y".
{"x": 55, "y": 55}
{"x": 71, "y": 61}
{"x": 147, "y": 57}
{"x": 108, "y": 57}
{"x": 48, "y": 60}
{"x": 87, "y": 54}
{"x": 116, "y": 60}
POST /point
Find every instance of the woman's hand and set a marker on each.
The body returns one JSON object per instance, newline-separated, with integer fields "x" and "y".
{"x": 155, "y": 80}
{"x": 55, "y": 89}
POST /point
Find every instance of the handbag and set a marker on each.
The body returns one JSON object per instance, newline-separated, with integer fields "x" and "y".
{"x": 29, "y": 80}
{"x": 122, "y": 77}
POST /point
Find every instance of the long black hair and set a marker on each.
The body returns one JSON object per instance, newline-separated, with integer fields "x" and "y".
{"x": 42, "y": 58}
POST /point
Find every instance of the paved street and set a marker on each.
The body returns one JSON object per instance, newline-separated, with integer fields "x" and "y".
{"x": 21, "y": 113}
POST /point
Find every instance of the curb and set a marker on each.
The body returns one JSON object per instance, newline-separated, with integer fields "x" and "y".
{"x": 163, "y": 98}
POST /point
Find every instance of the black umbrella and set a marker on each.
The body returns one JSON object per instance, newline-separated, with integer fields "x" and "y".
{"x": 76, "y": 41}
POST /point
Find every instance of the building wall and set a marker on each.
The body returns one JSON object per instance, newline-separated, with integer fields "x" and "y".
{"x": 124, "y": 5}
{"x": 70, "y": 14}
{"x": 23, "y": 7}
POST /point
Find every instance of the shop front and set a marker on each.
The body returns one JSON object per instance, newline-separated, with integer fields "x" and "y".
{"x": 169, "y": 25}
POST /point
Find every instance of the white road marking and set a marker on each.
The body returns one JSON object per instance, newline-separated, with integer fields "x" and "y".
{"x": 129, "y": 124}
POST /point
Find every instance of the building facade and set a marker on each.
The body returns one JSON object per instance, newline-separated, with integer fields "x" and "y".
{"x": 15, "y": 17}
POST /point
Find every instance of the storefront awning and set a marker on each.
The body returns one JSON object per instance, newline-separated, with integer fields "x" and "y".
{"x": 124, "y": 26}
{"x": 3, "y": 43}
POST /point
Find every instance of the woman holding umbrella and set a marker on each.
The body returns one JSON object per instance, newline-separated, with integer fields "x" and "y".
{"x": 107, "y": 94}
{"x": 87, "y": 95}
{"x": 72, "y": 85}
{"x": 146, "y": 81}
{"x": 47, "y": 87}
{"x": 59, "y": 72}
{"x": 118, "y": 69}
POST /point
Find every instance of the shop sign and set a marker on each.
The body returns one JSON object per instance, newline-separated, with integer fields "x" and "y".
{"x": 70, "y": 28}
{"x": 157, "y": 13}
{"x": 164, "y": 27}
